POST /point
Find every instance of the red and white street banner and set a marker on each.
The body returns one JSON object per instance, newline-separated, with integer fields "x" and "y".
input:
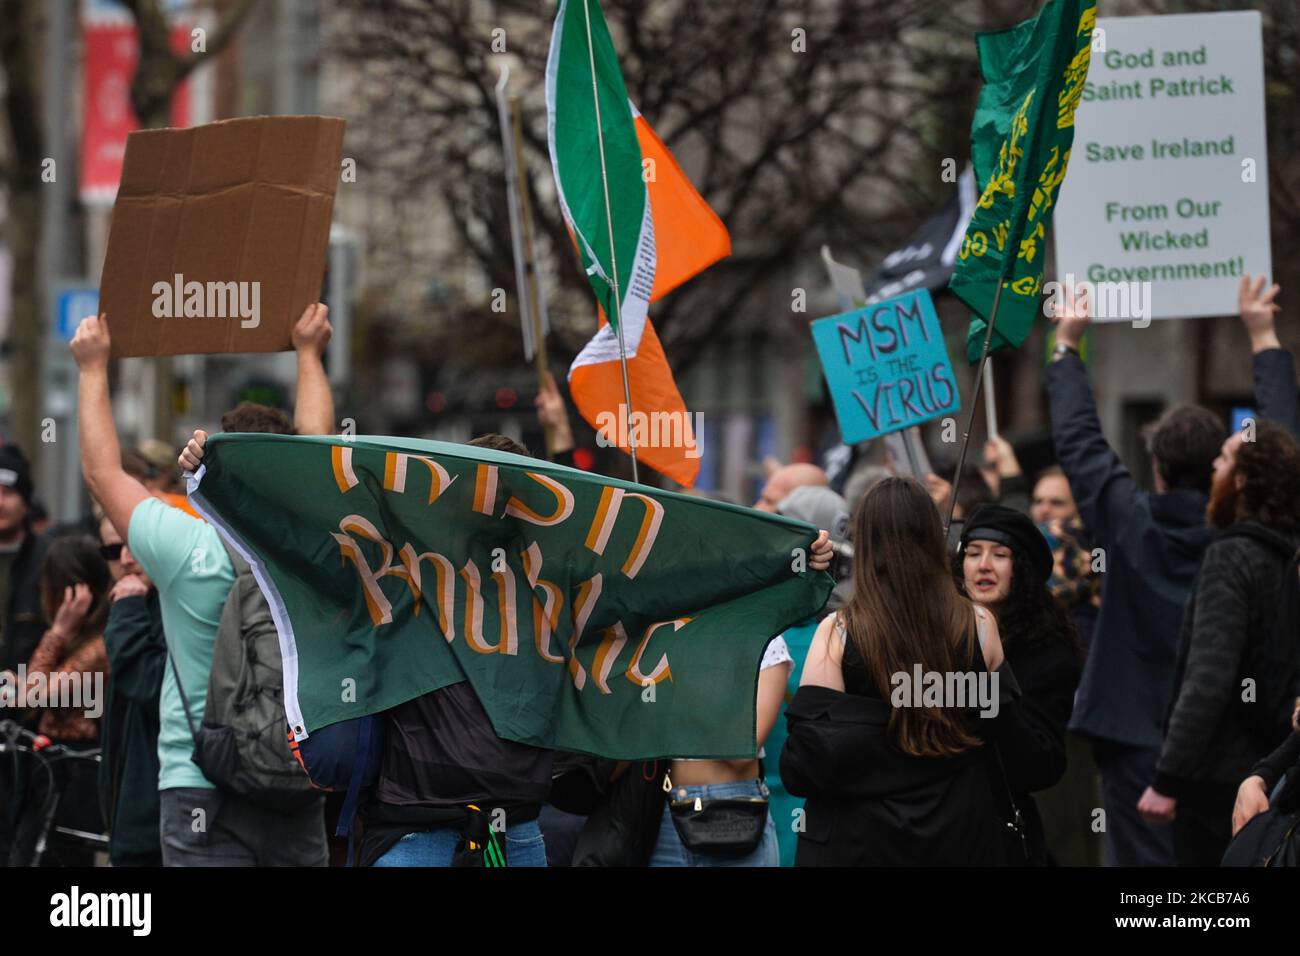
{"x": 111, "y": 45}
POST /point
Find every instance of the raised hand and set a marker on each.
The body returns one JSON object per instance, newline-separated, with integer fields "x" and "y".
{"x": 940, "y": 491}
{"x": 1258, "y": 310}
{"x": 311, "y": 333}
{"x": 90, "y": 345}
{"x": 72, "y": 612}
{"x": 1072, "y": 314}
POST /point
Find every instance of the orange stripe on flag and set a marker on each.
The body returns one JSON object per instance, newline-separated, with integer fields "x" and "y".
{"x": 599, "y": 388}
{"x": 689, "y": 236}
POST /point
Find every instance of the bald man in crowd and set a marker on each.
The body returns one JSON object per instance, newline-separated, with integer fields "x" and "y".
{"x": 786, "y": 479}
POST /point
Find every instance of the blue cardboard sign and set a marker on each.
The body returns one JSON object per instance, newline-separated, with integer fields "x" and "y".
{"x": 887, "y": 366}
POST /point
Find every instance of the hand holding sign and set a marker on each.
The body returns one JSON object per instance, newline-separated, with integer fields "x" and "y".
{"x": 90, "y": 345}
{"x": 312, "y": 332}
{"x": 1071, "y": 314}
{"x": 1259, "y": 312}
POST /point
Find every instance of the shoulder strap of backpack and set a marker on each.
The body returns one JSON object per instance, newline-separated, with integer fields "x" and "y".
{"x": 185, "y": 701}
{"x": 365, "y": 754}
{"x": 241, "y": 566}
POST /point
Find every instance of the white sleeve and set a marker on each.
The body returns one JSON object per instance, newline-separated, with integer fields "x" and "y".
{"x": 778, "y": 652}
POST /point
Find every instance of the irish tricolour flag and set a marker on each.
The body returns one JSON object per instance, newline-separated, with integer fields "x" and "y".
{"x": 663, "y": 232}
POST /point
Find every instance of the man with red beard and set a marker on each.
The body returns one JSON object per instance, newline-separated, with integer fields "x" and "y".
{"x": 1218, "y": 725}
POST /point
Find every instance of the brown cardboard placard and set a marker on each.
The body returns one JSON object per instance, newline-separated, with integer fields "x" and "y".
{"x": 240, "y": 211}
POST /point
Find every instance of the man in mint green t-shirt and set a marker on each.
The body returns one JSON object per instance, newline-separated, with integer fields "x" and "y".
{"x": 185, "y": 558}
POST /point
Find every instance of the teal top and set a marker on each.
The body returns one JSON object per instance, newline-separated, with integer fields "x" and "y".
{"x": 193, "y": 573}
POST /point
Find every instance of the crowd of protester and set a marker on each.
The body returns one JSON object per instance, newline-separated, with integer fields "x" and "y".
{"x": 1133, "y": 645}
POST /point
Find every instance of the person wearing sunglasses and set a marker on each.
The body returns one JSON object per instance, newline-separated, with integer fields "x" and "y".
{"x": 137, "y": 656}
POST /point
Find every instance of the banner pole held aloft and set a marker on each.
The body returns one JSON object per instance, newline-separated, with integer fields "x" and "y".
{"x": 974, "y": 404}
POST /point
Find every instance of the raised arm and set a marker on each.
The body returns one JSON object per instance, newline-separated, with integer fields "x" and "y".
{"x": 313, "y": 412}
{"x": 1103, "y": 488}
{"x": 554, "y": 418}
{"x": 1274, "y": 367}
{"x": 101, "y": 455}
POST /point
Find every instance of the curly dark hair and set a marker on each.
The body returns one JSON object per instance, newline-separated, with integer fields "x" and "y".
{"x": 1031, "y": 613}
{"x": 252, "y": 417}
{"x": 1271, "y": 466}
{"x": 500, "y": 443}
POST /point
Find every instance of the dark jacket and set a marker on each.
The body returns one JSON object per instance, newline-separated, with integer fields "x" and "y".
{"x": 1031, "y": 736}
{"x": 128, "y": 771}
{"x": 23, "y": 622}
{"x": 1153, "y": 546}
{"x": 868, "y": 804}
{"x": 1212, "y": 736}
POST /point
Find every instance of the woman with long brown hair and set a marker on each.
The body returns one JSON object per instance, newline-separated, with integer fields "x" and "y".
{"x": 886, "y": 740}
{"x": 66, "y": 680}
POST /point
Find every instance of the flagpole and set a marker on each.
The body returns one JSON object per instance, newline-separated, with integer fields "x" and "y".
{"x": 533, "y": 291}
{"x": 990, "y": 404}
{"x": 613, "y": 258}
{"x": 974, "y": 403}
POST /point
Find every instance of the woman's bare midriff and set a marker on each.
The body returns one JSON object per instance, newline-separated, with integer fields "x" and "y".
{"x": 694, "y": 773}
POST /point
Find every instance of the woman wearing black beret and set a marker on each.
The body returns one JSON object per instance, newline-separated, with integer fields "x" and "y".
{"x": 1003, "y": 564}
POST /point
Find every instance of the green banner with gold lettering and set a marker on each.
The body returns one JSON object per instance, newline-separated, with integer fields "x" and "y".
{"x": 1021, "y": 136}
{"x": 588, "y": 614}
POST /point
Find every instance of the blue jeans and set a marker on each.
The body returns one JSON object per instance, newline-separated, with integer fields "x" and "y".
{"x": 523, "y": 844}
{"x": 669, "y": 850}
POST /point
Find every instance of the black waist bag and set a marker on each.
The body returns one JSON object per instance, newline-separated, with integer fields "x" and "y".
{"x": 728, "y": 826}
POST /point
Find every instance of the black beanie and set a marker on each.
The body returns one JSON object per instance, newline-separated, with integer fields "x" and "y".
{"x": 15, "y": 472}
{"x": 1014, "y": 529}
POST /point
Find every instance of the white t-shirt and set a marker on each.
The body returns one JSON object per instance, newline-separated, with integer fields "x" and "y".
{"x": 778, "y": 652}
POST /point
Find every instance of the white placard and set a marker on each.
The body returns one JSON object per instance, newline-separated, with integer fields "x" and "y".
{"x": 1168, "y": 177}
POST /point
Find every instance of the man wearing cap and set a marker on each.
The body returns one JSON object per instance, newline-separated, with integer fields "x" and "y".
{"x": 22, "y": 623}
{"x": 21, "y": 554}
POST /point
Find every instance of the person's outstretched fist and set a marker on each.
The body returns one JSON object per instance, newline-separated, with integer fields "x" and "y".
{"x": 192, "y": 454}
{"x": 1259, "y": 312}
{"x": 1072, "y": 314}
{"x": 90, "y": 345}
{"x": 311, "y": 333}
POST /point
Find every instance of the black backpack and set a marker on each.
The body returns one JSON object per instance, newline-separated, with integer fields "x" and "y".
{"x": 1274, "y": 659}
{"x": 242, "y": 746}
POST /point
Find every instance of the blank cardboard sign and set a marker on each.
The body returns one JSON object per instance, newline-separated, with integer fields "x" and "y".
{"x": 219, "y": 234}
